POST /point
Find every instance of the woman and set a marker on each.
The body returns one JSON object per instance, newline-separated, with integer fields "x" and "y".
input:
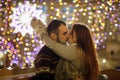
{"x": 79, "y": 57}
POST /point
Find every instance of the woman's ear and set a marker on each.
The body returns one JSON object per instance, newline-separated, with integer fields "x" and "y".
{"x": 53, "y": 36}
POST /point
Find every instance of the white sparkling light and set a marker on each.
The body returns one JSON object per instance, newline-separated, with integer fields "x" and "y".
{"x": 22, "y": 16}
{"x": 9, "y": 68}
{"x": 104, "y": 61}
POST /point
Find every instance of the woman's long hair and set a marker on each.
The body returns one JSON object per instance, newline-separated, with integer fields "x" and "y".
{"x": 85, "y": 41}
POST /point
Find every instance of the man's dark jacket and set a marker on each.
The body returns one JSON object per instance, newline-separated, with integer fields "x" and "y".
{"x": 45, "y": 64}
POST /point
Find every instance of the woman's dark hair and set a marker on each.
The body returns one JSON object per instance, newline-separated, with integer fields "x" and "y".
{"x": 85, "y": 41}
{"x": 53, "y": 26}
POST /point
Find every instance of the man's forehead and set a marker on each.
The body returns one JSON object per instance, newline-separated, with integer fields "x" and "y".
{"x": 62, "y": 28}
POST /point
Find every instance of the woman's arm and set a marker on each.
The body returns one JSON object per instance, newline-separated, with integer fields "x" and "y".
{"x": 64, "y": 51}
{"x": 38, "y": 26}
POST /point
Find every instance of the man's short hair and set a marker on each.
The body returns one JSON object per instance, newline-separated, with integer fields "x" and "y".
{"x": 54, "y": 25}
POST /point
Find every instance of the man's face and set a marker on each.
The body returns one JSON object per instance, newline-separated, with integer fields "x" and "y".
{"x": 62, "y": 36}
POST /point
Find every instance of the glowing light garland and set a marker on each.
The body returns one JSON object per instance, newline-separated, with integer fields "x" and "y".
{"x": 20, "y": 23}
{"x": 22, "y": 16}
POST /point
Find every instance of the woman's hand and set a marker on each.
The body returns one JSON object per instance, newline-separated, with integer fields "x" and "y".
{"x": 38, "y": 26}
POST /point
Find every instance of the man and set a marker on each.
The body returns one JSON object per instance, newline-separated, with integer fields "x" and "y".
{"x": 46, "y": 60}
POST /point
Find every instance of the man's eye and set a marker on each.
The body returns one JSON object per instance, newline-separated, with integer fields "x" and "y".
{"x": 65, "y": 33}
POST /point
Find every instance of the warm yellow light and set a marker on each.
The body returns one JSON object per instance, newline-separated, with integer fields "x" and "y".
{"x": 67, "y": 12}
{"x": 24, "y": 65}
{"x": 61, "y": 3}
{"x": 102, "y": 34}
{"x": 13, "y": 56}
{"x": 52, "y": 3}
{"x": 10, "y": 58}
{"x": 52, "y": 7}
{"x": 71, "y": 22}
{"x": 77, "y": 5}
{"x": 27, "y": 44}
{"x": 103, "y": 5}
{"x": 99, "y": 11}
{"x": 40, "y": 42}
{"x": 5, "y": 42}
{"x": 95, "y": 45}
{"x": 103, "y": 24}
{"x": 86, "y": 1}
{"x": 11, "y": 30}
{"x": 18, "y": 51}
{"x": 94, "y": 8}
{"x": 10, "y": 12}
{"x": 3, "y": 33}
{"x": 14, "y": 5}
{"x": 81, "y": 9}
{"x": 104, "y": 61}
{"x": 97, "y": 29}
{"x": 14, "y": 40}
{"x": 110, "y": 33}
{"x": 76, "y": 19}
{"x": 73, "y": 18}
{"x": 75, "y": 10}
{"x": 54, "y": 18}
{"x": 74, "y": 1}
{"x": 90, "y": 17}
{"x": 9, "y": 55}
{"x": 58, "y": 10}
{"x": 8, "y": 32}
{"x": 98, "y": 16}
{"x": 17, "y": 45}
{"x": 25, "y": 49}
{"x": 8, "y": 39}
{"x": 63, "y": 16}
{"x": 44, "y": 3}
{"x": 21, "y": 38}
{"x": 100, "y": 21}
{"x": 85, "y": 10}
{"x": 51, "y": 17}
{"x": 24, "y": 57}
{"x": 89, "y": 21}
{"x": 9, "y": 19}
{"x": 4, "y": 20}
{"x": 6, "y": 3}
{"x": 97, "y": 34}
{"x": 84, "y": 14}
{"x": 32, "y": 41}
{"x": 67, "y": 8}
{"x": 19, "y": 55}
{"x": 2, "y": 29}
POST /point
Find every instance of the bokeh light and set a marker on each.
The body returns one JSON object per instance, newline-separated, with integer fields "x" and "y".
{"x": 19, "y": 44}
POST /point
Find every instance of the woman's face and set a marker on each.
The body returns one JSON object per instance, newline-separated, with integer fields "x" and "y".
{"x": 72, "y": 37}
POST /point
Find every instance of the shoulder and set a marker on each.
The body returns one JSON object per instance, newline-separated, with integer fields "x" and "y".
{"x": 45, "y": 51}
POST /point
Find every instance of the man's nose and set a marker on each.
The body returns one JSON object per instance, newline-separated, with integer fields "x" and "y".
{"x": 67, "y": 35}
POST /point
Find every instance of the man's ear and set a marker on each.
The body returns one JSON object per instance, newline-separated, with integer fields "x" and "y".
{"x": 53, "y": 36}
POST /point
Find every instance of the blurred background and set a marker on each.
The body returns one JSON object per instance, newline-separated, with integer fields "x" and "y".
{"x": 19, "y": 44}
